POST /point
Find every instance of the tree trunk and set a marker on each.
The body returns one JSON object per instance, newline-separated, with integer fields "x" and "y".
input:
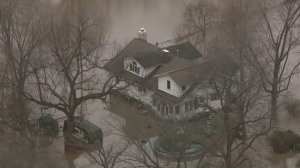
{"x": 228, "y": 152}
{"x": 228, "y": 160}
{"x": 274, "y": 100}
{"x": 69, "y": 130}
{"x": 70, "y": 158}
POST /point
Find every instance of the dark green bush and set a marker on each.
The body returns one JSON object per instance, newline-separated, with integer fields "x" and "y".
{"x": 284, "y": 141}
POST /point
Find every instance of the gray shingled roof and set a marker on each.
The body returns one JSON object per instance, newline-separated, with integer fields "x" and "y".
{"x": 196, "y": 72}
{"x": 135, "y": 47}
{"x": 186, "y": 50}
{"x": 149, "y": 59}
{"x": 175, "y": 64}
{"x": 183, "y": 77}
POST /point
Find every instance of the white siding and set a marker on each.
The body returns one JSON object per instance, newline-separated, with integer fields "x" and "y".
{"x": 175, "y": 90}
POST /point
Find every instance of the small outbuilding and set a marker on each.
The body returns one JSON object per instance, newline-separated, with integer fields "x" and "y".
{"x": 86, "y": 131}
{"x": 49, "y": 125}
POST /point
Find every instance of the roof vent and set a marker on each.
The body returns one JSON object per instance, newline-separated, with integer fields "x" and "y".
{"x": 142, "y": 34}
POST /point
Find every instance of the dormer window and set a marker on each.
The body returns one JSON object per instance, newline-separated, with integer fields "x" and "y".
{"x": 134, "y": 68}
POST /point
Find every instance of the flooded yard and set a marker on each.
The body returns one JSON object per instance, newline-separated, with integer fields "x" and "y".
{"x": 125, "y": 118}
{"x": 160, "y": 18}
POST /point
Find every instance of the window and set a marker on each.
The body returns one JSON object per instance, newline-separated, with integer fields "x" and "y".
{"x": 85, "y": 137}
{"x": 196, "y": 103}
{"x": 168, "y": 84}
{"x": 154, "y": 101}
{"x": 140, "y": 89}
{"x": 186, "y": 106}
{"x": 76, "y": 130}
{"x": 177, "y": 109}
{"x": 134, "y": 68}
{"x": 191, "y": 105}
{"x": 214, "y": 96}
{"x": 137, "y": 70}
{"x": 183, "y": 88}
{"x": 162, "y": 109}
{"x": 158, "y": 106}
{"x": 201, "y": 99}
{"x": 171, "y": 109}
{"x": 131, "y": 67}
{"x": 167, "y": 110}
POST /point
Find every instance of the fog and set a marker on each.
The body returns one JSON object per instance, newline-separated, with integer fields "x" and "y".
{"x": 159, "y": 17}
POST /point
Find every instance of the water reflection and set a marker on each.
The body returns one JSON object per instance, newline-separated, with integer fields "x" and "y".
{"x": 16, "y": 153}
{"x": 159, "y": 17}
{"x": 287, "y": 160}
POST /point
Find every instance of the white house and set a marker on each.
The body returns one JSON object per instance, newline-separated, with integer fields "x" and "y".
{"x": 171, "y": 80}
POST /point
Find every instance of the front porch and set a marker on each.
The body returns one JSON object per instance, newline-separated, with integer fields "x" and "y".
{"x": 178, "y": 110}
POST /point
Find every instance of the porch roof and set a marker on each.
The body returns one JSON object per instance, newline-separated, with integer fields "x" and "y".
{"x": 170, "y": 99}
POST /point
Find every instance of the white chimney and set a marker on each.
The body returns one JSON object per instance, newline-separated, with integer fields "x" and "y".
{"x": 142, "y": 34}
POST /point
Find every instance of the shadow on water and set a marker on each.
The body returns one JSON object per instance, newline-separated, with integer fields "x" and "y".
{"x": 15, "y": 152}
{"x": 287, "y": 160}
{"x": 48, "y": 153}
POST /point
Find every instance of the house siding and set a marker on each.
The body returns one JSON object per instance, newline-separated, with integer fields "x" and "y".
{"x": 175, "y": 89}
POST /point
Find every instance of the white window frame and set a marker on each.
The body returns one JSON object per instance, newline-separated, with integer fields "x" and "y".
{"x": 134, "y": 68}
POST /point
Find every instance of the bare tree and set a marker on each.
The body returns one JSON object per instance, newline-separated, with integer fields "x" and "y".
{"x": 109, "y": 156}
{"x": 278, "y": 42}
{"x": 71, "y": 72}
{"x": 200, "y": 18}
{"x": 229, "y": 120}
{"x": 236, "y": 30}
{"x": 20, "y": 35}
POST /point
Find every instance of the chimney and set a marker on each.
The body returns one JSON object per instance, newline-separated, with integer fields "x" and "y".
{"x": 142, "y": 34}
{"x": 166, "y": 56}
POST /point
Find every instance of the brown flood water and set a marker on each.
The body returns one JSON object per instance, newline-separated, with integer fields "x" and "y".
{"x": 160, "y": 18}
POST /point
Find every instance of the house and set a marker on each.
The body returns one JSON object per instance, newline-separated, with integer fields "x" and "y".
{"x": 172, "y": 79}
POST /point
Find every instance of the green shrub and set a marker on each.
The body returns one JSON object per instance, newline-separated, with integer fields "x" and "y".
{"x": 284, "y": 141}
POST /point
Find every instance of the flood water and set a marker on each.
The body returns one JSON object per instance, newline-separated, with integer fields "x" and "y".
{"x": 160, "y": 18}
